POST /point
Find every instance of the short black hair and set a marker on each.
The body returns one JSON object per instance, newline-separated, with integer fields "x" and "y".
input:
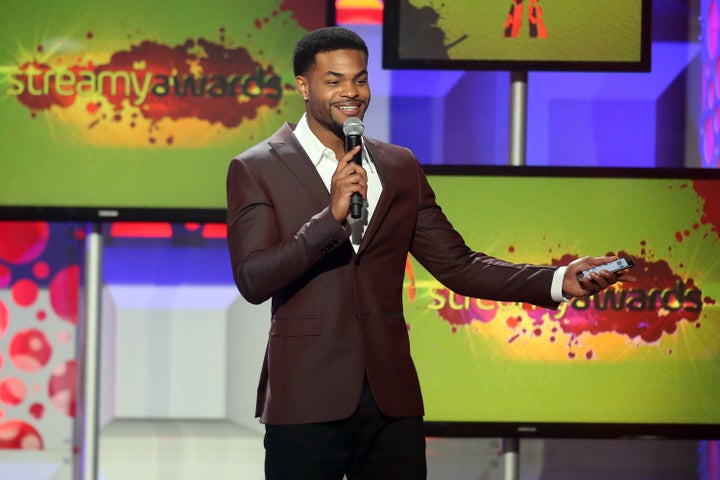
{"x": 326, "y": 39}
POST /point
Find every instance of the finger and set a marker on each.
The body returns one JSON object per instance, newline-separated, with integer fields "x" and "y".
{"x": 346, "y": 160}
{"x": 349, "y": 155}
{"x": 600, "y": 260}
{"x": 587, "y": 286}
{"x": 353, "y": 175}
{"x": 626, "y": 277}
{"x": 592, "y": 284}
{"x": 350, "y": 169}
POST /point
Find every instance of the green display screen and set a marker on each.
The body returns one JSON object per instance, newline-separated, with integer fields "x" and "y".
{"x": 613, "y": 35}
{"x": 643, "y": 355}
{"x": 140, "y": 104}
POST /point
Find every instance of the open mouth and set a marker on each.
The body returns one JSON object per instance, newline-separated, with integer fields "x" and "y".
{"x": 350, "y": 110}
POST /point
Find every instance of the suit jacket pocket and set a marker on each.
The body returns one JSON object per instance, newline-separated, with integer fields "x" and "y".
{"x": 295, "y": 326}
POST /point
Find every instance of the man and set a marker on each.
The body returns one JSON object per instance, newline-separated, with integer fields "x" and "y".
{"x": 338, "y": 391}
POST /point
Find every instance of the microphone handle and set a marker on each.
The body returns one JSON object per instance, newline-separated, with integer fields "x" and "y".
{"x": 356, "y": 201}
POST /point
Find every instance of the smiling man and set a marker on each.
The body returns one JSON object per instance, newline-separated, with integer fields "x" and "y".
{"x": 338, "y": 392}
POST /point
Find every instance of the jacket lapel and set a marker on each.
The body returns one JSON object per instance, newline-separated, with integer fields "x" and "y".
{"x": 290, "y": 152}
{"x": 383, "y": 164}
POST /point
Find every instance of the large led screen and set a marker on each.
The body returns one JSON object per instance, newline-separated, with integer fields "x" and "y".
{"x": 580, "y": 35}
{"x": 123, "y": 109}
{"x": 641, "y": 358}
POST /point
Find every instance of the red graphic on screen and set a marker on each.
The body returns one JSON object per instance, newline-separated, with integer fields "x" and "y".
{"x": 12, "y": 391}
{"x": 24, "y": 292}
{"x": 62, "y": 388}
{"x": 536, "y": 25}
{"x": 41, "y": 270}
{"x": 30, "y": 350}
{"x": 33, "y": 358}
{"x": 4, "y": 319}
{"x": 65, "y": 293}
{"x": 410, "y": 275}
{"x": 132, "y": 89}
{"x": 5, "y": 276}
{"x": 711, "y": 203}
{"x": 22, "y": 242}
{"x": 36, "y": 411}
{"x": 307, "y": 17}
{"x": 643, "y": 311}
{"x": 198, "y": 79}
{"x": 16, "y": 434}
{"x": 461, "y": 310}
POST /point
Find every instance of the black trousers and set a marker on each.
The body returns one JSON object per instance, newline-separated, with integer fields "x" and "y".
{"x": 366, "y": 446}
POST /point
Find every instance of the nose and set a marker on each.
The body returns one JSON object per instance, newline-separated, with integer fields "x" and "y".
{"x": 349, "y": 90}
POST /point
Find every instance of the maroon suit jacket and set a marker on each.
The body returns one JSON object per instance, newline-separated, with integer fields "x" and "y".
{"x": 338, "y": 315}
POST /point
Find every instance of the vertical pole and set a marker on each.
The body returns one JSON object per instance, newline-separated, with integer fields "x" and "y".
{"x": 88, "y": 354}
{"x": 517, "y": 157}
{"x": 518, "y": 118}
{"x": 511, "y": 454}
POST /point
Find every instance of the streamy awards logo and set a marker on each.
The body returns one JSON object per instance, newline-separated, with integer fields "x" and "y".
{"x": 671, "y": 302}
{"x": 152, "y": 93}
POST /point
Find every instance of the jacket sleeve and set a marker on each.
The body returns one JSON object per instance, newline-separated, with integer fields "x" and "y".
{"x": 444, "y": 253}
{"x": 262, "y": 261}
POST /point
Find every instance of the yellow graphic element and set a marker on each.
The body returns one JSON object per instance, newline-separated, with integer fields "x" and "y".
{"x": 357, "y": 4}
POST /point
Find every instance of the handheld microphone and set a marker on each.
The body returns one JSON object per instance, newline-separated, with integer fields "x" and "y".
{"x": 353, "y": 129}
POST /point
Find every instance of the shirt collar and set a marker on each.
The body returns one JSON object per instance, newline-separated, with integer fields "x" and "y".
{"x": 310, "y": 143}
{"x": 315, "y": 149}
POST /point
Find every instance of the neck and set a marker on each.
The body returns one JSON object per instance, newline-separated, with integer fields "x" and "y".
{"x": 333, "y": 141}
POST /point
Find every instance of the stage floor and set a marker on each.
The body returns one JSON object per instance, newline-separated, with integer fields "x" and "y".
{"x": 146, "y": 449}
{"x": 221, "y": 450}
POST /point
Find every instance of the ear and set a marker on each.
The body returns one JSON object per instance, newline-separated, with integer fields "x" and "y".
{"x": 302, "y": 86}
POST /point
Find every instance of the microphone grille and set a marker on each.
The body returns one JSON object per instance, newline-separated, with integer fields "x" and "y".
{"x": 353, "y": 126}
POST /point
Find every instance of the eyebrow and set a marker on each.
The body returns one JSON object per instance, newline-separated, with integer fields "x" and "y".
{"x": 340, "y": 75}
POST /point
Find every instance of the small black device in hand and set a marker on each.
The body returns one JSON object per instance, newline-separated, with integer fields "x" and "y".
{"x": 615, "y": 266}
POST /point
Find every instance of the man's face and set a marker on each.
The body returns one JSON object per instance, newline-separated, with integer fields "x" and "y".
{"x": 335, "y": 89}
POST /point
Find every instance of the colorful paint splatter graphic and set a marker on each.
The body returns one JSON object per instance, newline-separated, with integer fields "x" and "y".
{"x": 138, "y": 112}
{"x": 641, "y": 312}
{"x": 155, "y": 82}
{"x": 160, "y": 92}
{"x": 150, "y": 82}
{"x": 39, "y": 295}
{"x": 656, "y": 304}
{"x": 640, "y": 338}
